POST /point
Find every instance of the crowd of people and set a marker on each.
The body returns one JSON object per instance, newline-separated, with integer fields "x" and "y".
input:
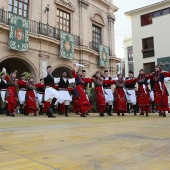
{"x": 32, "y": 98}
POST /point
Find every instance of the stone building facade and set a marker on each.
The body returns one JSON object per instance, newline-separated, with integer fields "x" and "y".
{"x": 90, "y": 21}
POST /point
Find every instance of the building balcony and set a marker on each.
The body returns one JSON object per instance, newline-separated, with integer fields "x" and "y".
{"x": 38, "y": 28}
{"x": 148, "y": 53}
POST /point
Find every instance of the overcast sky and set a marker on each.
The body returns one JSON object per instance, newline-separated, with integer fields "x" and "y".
{"x": 123, "y": 24}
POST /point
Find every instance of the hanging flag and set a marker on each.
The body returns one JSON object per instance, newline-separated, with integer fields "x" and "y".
{"x": 66, "y": 45}
{"x": 19, "y": 33}
{"x": 104, "y": 56}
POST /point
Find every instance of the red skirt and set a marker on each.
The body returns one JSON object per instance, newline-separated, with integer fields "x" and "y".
{"x": 83, "y": 101}
{"x": 31, "y": 103}
{"x": 12, "y": 98}
{"x": 161, "y": 98}
{"x": 62, "y": 108}
{"x": 101, "y": 101}
{"x": 143, "y": 98}
{"x": 76, "y": 107}
{"x": 46, "y": 106}
{"x": 120, "y": 101}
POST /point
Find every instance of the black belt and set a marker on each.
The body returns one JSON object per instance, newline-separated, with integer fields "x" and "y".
{"x": 62, "y": 89}
{"x": 107, "y": 87}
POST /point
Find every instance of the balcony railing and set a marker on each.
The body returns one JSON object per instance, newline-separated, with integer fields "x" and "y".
{"x": 38, "y": 28}
{"x": 148, "y": 53}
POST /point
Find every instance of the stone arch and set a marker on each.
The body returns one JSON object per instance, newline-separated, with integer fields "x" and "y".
{"x": 60, "y": 69}
{"x": 19, "y": 63}
{"x": 98, "y": 17}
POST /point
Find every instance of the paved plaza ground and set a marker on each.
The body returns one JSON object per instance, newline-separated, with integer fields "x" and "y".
{"x": 92, "y": 143}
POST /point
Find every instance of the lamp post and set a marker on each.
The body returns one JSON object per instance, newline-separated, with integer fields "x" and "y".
{"x": 47, "y": 9}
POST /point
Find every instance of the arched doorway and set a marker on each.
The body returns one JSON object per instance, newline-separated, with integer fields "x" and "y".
{"x": 12, "y": 64}
{"x": 58, "y": 72}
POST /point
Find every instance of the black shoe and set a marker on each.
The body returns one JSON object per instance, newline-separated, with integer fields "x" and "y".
{"x": 164, "y": 115}
{"x": 12, "y": 115}
{"x": 147, "y": 115}
{"x": 160, "y": 114}
{"x": 101, "y": 114}
{"x": 141, "y": 114}
{"x": 35, "y": 114}
{"x": 87, "y": 114}
{"x": 135, "y": 114}
{"x": 118, "y": 114}
{"x": 123, "y": 114}
{"x": 66, "y": 115}
{"x": 83, "y": 115}
{"x": 51, "y": 116}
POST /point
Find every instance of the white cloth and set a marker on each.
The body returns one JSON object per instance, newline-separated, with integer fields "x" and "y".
{"x": 21, "y": 96}
{"x": 57, "y": 80}
{"x": 50, "y": 93}
{"x": 3, "y": 95}
{"x": 64, "y": 96}
{"x": 131, "y": 96}
{"x": 108, "y": 95}
{"x": 40, "y": 98}
{"x": 151, "y": 94}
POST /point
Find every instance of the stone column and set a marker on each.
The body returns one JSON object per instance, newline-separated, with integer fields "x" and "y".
{"x": 111, "y": 20}
{"x": 83, "y": 5}
{"x": 43, "y": 65}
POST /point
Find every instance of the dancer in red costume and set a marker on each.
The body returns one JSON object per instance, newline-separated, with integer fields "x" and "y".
{"x": 101, "y": 101}
{"x": 31, "y": 101}
{"x": 80, "y": 86}
{"x": 12, "y": 96}
{"x": 160, "y": 91}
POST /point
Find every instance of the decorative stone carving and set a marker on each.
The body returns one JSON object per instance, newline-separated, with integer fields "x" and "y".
{"x": 83, "y": 4}
{"x": 65, "y": 3}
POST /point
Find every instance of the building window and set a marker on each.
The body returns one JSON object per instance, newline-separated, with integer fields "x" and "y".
{"x": 63, "y": 20}
{"x": 157, "y": 14}
{"x": 146, "y": 19}
{"x": 131, "y": 68}
{"x": 130, "y": 53}
{"x": 149, "y": 67}
{"x": 165, "y": 11}
{"x": 148, "y": 47}
{"x": 96, "y": 33}
{"x": 19, "y": 7}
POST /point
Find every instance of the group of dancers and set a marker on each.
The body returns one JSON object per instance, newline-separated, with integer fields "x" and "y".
{"x": 43, "y": 97}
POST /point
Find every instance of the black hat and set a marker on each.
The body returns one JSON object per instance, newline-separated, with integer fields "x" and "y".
{"x": 131, "y": 72}
{"x": 83, "y": 71}
{"x": 48, "y": 67}
{"x": 106, "y": 71}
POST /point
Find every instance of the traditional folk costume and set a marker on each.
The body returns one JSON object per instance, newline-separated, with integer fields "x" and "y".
{"x": 120, "y": 97}
{"x": 50, "y": 96}
{"x": 64, "y": 96}
{"x": 160, "y": 90}
{"x": 108, "y": 95}
{"x": 12, "y": 96}
{"x": 101, "y": 101}
{"x": 40, "y": 89}
{"x": 75, "y": 96}
{"x": 3, "y": 89}
{"x": 143, "y": 96}
{"x": 31, "y": 99}
{"x": 22, "y": 94}
{"x": 83, "y": 100}
{"x": 131, "y": 95}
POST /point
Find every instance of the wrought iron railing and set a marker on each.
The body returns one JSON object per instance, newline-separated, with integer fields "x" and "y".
{"x": 38, "y": 27}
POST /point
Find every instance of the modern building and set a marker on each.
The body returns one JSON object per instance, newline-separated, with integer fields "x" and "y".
{"x": 90, "y": 21}
{"x": 149, "y": 44}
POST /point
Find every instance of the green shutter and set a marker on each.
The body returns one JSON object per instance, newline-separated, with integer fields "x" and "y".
{"x": 103, "y": 56}
{"x": 66, "y": 45}
{"x": 19, "y": 33}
